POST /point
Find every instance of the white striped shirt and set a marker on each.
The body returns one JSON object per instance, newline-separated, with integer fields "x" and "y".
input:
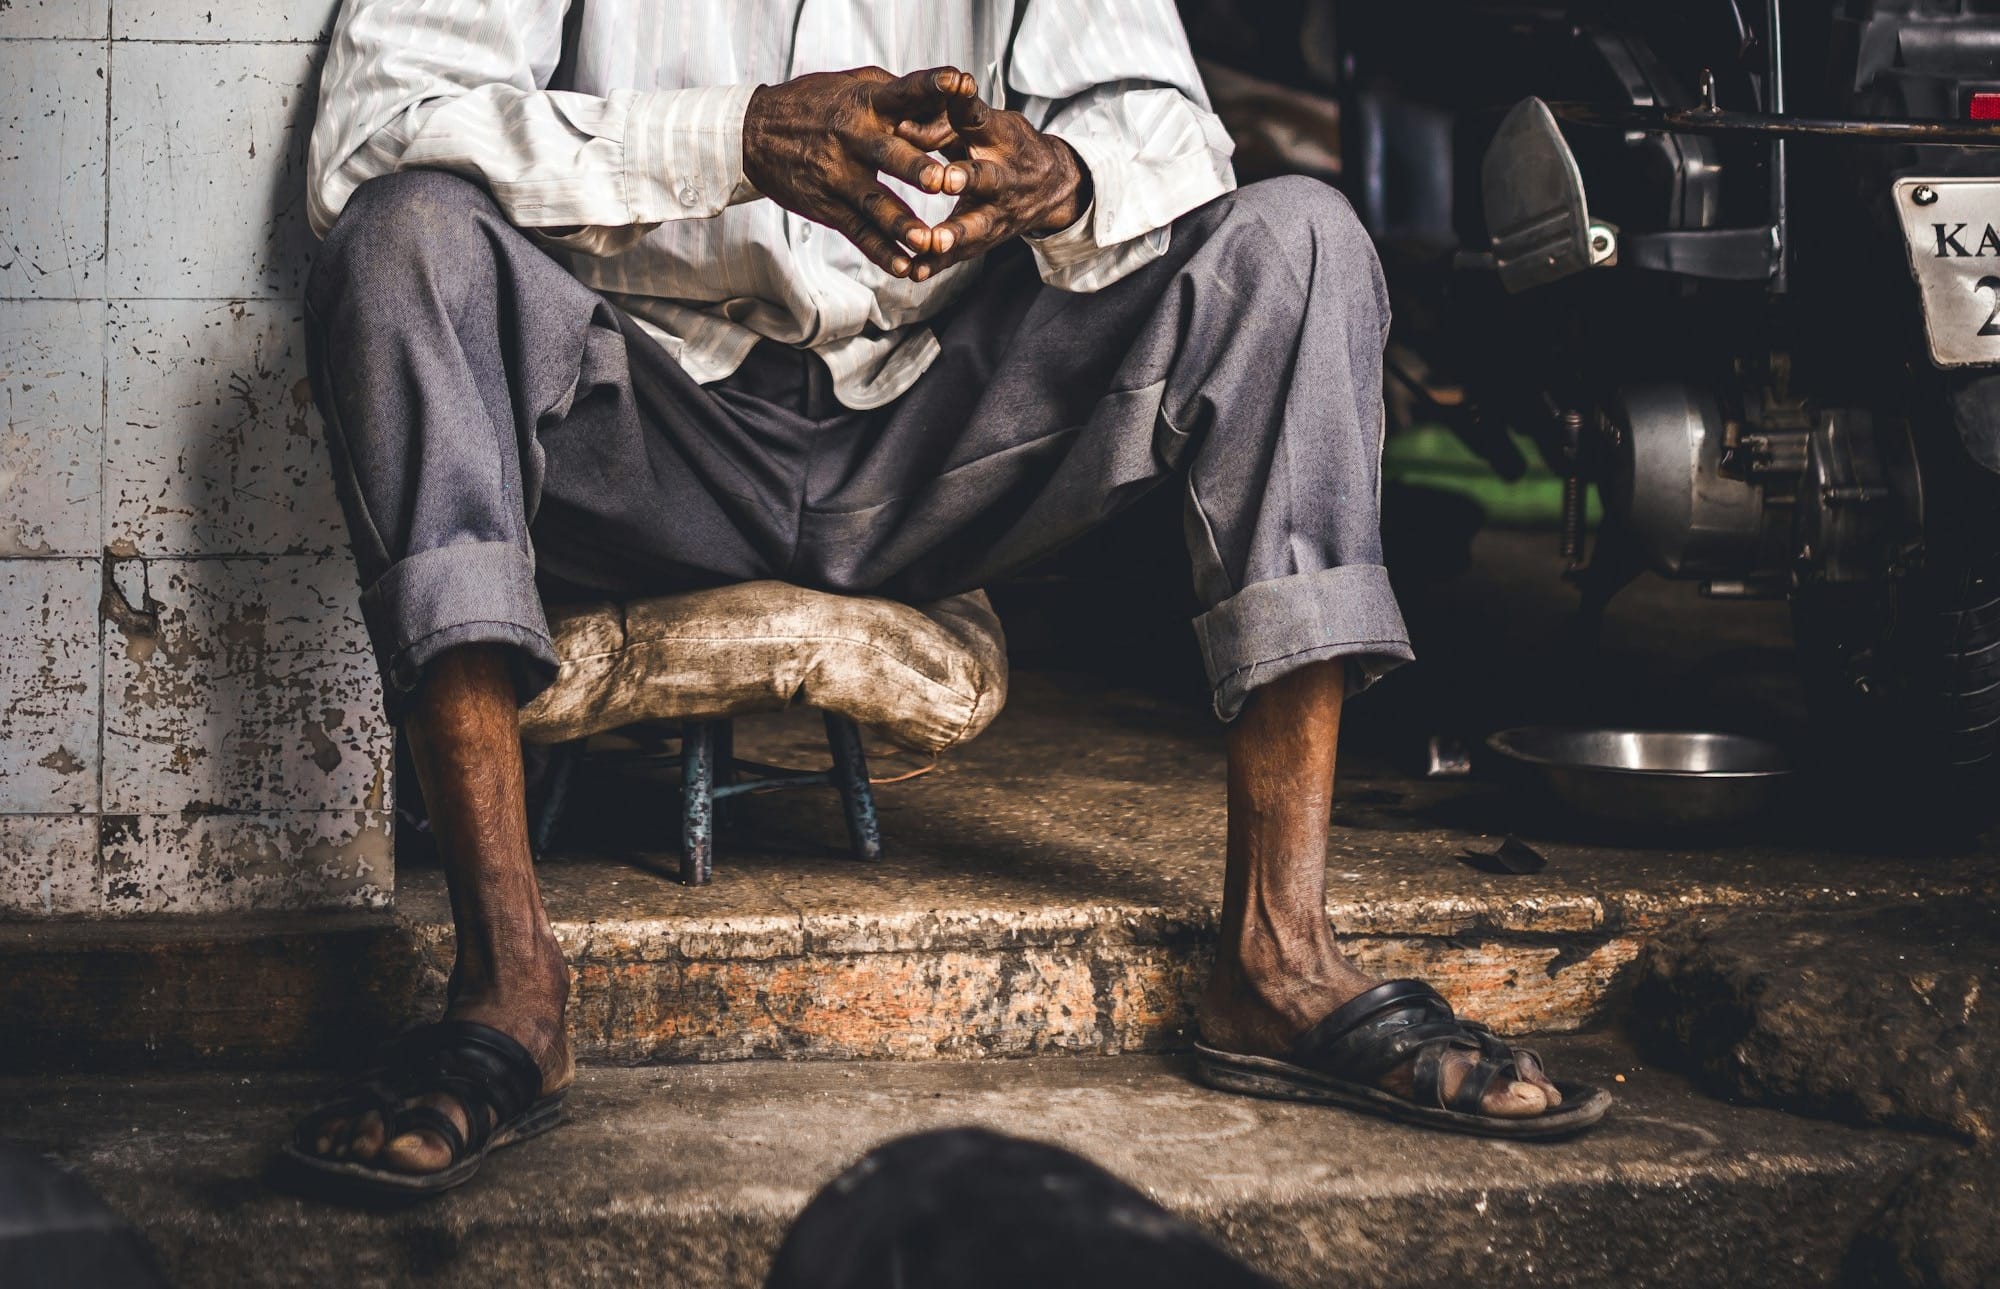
{"x": 645, "y": 154}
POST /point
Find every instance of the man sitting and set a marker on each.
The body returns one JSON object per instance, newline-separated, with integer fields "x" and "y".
{"x": 716, "y": 313}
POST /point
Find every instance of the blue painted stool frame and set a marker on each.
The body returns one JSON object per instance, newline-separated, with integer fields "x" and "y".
{"x": 711, "y": 773}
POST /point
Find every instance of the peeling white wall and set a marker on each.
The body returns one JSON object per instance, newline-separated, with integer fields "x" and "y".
{"x": 189, "y": 721}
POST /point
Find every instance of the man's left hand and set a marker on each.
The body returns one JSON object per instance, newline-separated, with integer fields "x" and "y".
{"x": 1009, "y": 177}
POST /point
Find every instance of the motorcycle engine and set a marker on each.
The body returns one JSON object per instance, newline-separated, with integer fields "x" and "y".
{"x": 1755, "y": 509}
{"x": 1667, "y": 489}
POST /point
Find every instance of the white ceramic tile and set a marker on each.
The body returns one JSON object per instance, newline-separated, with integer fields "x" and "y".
{"x": 48, "y": 864}
{"x": 52, "y": 169}
{"x": 47, "y": 19}
{"x": 48, "y": 685}
{"x": 240, "y": 686}
{"x": 51, "y": 408}
{"x": 208, "y": 20}
{"x": 213, "y": 446}
{"x": 208, "y": 170}
{"x": 238, "y": 863}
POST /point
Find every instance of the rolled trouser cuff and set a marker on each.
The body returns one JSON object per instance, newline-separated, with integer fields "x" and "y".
{"x": 1270, "y": 629}
{"x": 451, "y": 596}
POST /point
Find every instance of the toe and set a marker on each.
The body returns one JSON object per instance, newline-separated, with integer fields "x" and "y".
{"x": 328, "y": 1135}
{"x": 1514, "y": 1100}
{"x": 416, "y": 1152}
{"x": 1529, "y": 1066}
{"x": 1506, "y": 1099}
{"x": 366, "y": 1140}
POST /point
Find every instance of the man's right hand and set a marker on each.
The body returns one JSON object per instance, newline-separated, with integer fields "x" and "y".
{"x": 816, "y": 144}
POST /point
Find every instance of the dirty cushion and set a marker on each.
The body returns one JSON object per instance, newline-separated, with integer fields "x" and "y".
{"x": 925, "y": 678}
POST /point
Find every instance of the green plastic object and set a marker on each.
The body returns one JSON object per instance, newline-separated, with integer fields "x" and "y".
{"x": 1431, "y": 456}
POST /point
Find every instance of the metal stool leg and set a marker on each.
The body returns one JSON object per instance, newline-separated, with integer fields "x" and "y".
{"x": 850, "y": 777}
{"x": 697, "y": 802}
{"x": 728, "y": 808}
{"x": 542, "y": 828}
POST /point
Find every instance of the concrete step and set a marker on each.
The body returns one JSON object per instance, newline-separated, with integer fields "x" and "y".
{"x": 688, "y": 1175}
{"x": 1051, "y": 889}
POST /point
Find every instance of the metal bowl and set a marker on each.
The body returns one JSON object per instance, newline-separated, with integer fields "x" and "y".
{"x": 1649, "y": 778}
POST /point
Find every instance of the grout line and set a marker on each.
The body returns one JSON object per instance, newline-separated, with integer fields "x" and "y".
{"x": 149, "y": 299}
{"x": 173, "y": 557}
{"x": 320, "y": 39}
{"x": 103, "y": 463}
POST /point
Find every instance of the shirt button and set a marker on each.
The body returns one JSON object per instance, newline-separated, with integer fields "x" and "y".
{"x": 688, "y": 195}
{"x": 805, "y": 232}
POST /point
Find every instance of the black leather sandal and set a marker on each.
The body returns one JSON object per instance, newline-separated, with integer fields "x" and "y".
{"x": 1340, "y": 1060}
{"x": 492, "y": 1077}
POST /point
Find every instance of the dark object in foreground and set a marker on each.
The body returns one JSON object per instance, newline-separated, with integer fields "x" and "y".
{"x": 490, "y": 1075}
{"x": 971, "y": 1209}
{"x": 56, "y": 1234}
{"x": 1339, "y": 1061}
{"x": 1515, "y": 858}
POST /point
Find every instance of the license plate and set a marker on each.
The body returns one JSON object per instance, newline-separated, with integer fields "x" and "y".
{"x": 1952, "y": 227}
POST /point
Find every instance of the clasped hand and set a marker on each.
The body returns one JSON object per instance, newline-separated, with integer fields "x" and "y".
{"x": 818, "y": 146}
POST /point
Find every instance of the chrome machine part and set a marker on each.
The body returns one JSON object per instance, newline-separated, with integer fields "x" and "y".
{"x": 1860, "y": 500}
{"x": 1668, "y": 490}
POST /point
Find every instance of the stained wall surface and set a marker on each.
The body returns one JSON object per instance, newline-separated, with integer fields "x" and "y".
{"x": 188, "y": 718}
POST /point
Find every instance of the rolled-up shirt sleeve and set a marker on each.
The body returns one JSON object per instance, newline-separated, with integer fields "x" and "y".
{"x": 452, "y": 86}
{"x": 1116, "y": 81}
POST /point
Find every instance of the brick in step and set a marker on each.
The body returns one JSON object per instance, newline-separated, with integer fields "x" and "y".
{"x": 1886, "y": 1015}
{"x": 989, "y": 931}
{"x": 688, "y": 1175}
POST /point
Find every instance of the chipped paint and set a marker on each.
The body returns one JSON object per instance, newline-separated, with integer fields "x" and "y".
{"x": 179, "y": 643}
{"x": 48, "y": 865}
{"x": 213, "y": 447}
{"x": 205, "y": 20}
{"x": 239, "y": 863}
{"x": 52, "y": 106}
{"x": 51, "y": 393}
{"x": 51, "y": 20}
{"x": 48, "y": 685}
{"x": 192, "y": 214}
{"x": 256, "y": 692}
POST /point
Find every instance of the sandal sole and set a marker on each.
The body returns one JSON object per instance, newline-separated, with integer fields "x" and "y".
{"x": 1259, "y": 1076}
{"x": 361, "y": 1181}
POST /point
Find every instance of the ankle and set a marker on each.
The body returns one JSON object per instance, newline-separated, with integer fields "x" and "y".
{"x": 532, "y": 973}
{"x": 1257, "y": 999}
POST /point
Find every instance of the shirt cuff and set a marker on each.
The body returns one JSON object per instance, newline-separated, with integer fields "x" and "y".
{"x": 1058, "y": 250}
{"x": 684, "y": 153}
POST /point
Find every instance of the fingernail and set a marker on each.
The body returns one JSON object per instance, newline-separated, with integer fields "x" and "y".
{"x": 899, "y": 266}
{"x": 918, "y": 238}
{"x": 954, "y": 180}
{"x": 923, "y": 272}
{"x": 944, "y": 238}
{"x": 932, "y": 178}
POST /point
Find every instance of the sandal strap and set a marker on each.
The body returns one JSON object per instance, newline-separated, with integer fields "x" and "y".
{"x": 1374, "y": 1033}
{"x": 492, "y": 1077}
{"x": 1404, "y": 1020}
{"x": 423, "y": 1118}
{"x": 1471, "y": 1095}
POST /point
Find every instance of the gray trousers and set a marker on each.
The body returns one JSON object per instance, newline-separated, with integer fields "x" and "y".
{"x": 498, "y": 429}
